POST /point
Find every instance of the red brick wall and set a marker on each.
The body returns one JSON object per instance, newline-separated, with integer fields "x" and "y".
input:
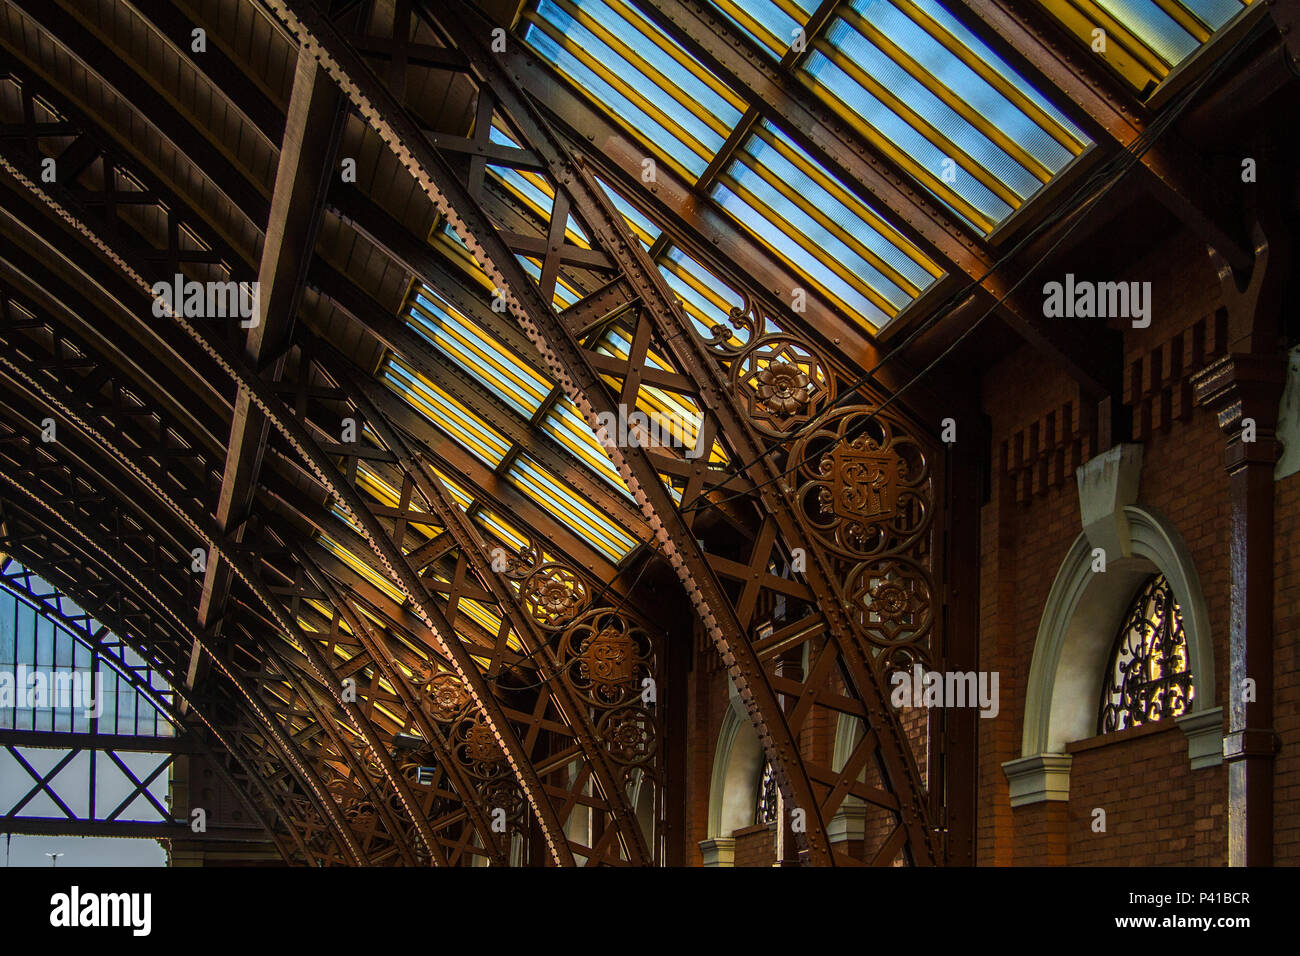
{"x": 1159, "y": 810}
{"x": 756, "y": 846}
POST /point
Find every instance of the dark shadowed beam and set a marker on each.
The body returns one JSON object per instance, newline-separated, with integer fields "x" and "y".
{"x": 1234, "y": 103}
{"x": 1027, "y": 38}
{"x": 227, "y": 75}
{"x": 426, "y": 264}
{"x": 94, "y": 56}
{"x": 115, "y": 491}
{"x": 311, "y": 136}
{"x": 181, "y": 382}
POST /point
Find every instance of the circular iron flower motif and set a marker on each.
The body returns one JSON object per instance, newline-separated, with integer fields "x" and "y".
{"x": 504, "y": 793}
{"x": 863, "y": 484}
{"x": 893, "y": 600}
{"x": 781, "y": 382}
{"x": 628, "y": 733}
{"x": 783, "y": 388}
{"x": 554, "y": 596}
{"x": 447, "y": 697}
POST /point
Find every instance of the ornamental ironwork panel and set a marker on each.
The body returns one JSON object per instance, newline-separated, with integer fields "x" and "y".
{"x": 1147, "y": 675}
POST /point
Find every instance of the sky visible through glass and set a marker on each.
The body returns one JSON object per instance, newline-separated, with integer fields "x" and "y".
{"x": 31, "y": 643}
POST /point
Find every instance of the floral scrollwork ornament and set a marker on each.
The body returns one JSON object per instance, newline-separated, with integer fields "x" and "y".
{"x": 628, "y": 734}
{"x": 605, "y": 658}
{"x": 447, "y": 698}
{"x": 782, "y": 383}
{"x": 554, "y": 596}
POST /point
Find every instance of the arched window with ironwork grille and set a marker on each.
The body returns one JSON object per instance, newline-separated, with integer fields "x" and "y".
{"x": 1148, "y": 675}
{"x": 765, "y": 810}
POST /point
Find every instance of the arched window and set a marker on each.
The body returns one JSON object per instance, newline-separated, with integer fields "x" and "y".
{"x": 765, "y": 810}
{"x": 1148, "y": 676}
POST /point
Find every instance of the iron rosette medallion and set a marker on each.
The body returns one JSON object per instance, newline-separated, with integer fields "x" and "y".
{"x": 607, "y": 660}
{"x": 864, "y": 490}
{"x": 554, "y": 596}
{"x": 443, "y": 697}
{"x": 863, "y": 485}
{"x": 782, "y": 383}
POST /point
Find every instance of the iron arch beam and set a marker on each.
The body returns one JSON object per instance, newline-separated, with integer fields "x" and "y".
{"x": 66, "y": 30}
{"x": 488, "y": 844}
{"x": 218, "y": 543}
{"x": 178, "y": 428}
{"x": 327, "y": 475}
{"x": 472, "y": 546}
{"x": 86, "y": 352}
{"x": 846, "y": 649}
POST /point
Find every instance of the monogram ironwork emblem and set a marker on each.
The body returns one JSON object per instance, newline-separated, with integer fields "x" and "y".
{"x": 481, "y": 745}
{"x": 864, "y": 483}
{"x": 608, "y": 658}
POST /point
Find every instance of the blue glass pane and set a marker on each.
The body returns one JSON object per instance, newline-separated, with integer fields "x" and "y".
{"x": 657, "y": 82}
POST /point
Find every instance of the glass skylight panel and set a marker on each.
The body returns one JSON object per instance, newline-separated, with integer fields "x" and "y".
{"x": 772, "y": 23}
{"x": 391, "y": 497}
{"x": 566, "y": 425}
{"x": 706, "y": 300}
{"x": 938, "y": 102}
{"x": 362, "y": 568}
{"x": 1145, "y": 39}
{"x": 821, "y": 230}
{"x": 1157, "y": 26}
{"x": 461, "y": 496}
{"x": 647, "y": 82}
{"x": 645, "y": 230}
{"x": 476, "y": 351}
{"x": 564, "y": 296}
{"x": 566, "y": 505}
{"x": 447, "y": 414}
{"x": 503, "y": 529}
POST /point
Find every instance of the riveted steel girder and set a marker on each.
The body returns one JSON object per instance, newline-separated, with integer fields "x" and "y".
{"x": 53, "y": 541}
{"x": 844, "y": 669}
{"x": 266, "y": 396}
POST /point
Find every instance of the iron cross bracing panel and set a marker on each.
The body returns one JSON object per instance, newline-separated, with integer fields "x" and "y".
{"x": 619, "y": 841}
{"x": 861, "y": 573}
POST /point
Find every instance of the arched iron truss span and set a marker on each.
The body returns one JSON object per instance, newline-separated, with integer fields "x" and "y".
{"x": 382, "y": 622}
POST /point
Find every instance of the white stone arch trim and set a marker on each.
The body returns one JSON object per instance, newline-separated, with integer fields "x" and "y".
{"x": 1071, "y": 651}
{"x": 1063, "y": 689}
{"x": 737, "y": 762}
